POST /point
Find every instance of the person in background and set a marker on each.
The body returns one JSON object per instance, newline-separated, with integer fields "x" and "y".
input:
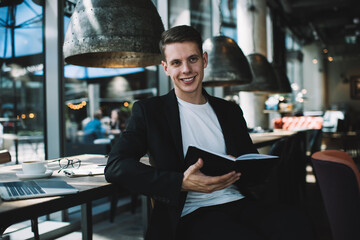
{"x": 189, "y": 205}
{"x": 118, "y": 120}
{"x": 94, "y": 129}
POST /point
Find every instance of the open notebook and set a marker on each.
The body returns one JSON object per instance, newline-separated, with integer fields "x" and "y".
{"x": 35, "y": 188}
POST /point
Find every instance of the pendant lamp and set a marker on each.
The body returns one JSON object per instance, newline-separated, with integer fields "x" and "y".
{"x": 283, "y": 80}
{"x": 113, "y": 34}
{"x": 227, "y": 65}
{"x": 264, "y": 81}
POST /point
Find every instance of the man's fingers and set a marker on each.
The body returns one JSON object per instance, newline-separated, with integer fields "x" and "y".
{"x": 211, "y": 184}
{"x": 225, "y": 183}
{"x": 196, "y": 181}
{"x": 224, "y": 178}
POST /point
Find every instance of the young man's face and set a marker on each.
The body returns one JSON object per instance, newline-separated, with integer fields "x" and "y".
{"x": 185, "y": 65}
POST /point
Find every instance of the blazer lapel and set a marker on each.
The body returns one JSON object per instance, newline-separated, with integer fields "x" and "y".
{"x": 171, "y": 111}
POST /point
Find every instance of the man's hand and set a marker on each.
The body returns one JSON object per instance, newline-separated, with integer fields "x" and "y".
{"x": 196, "y": 181}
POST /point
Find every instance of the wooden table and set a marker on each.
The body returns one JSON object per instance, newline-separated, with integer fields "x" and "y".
{"x": 90, "y": 188}
{"x": 269, "y": 138}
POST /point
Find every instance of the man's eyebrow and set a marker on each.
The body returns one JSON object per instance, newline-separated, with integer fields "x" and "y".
{"x": 194, "y": 55}
{"x": 174, "y": 60}
{"x": 191, "y": 56}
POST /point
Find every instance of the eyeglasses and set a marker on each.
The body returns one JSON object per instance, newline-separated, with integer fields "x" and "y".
{"x": 67, "y": 162}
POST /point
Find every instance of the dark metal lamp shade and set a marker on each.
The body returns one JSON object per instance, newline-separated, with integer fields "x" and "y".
{"x": 265, "y": 79}
{"x": 283, "y": 80}
{"x": 227, "y": 64}
{"x": 113, "y": 34}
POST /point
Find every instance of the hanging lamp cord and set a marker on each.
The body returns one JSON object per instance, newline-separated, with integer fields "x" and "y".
{"x": 220, "y": 18}
{"x": 251, "y": 7}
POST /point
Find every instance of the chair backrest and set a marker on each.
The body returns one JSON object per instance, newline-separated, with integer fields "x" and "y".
{"x": 315, "y": 141}
{"x": 339, "y": 182}
{"x": 4, "y": 156}
{"x": 291, "y": 169}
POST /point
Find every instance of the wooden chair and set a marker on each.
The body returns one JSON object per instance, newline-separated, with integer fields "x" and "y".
{"x": 339, "y": 182}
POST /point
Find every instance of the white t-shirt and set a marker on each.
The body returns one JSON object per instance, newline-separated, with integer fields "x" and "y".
{"x": 200, "y": 127}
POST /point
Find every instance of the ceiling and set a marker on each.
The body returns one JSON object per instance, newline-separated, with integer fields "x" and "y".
{"x": 335, "y": 24}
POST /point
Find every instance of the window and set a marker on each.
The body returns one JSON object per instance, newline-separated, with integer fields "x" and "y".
{"x": 22, "y": 78}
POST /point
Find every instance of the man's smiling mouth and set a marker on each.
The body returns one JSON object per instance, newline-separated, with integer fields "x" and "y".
{"x": 188, "y": 80}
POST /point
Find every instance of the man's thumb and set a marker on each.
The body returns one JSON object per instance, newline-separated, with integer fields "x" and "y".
{"x": 199, "y": 164}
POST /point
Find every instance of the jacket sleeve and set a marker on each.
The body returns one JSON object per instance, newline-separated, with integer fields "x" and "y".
{"x": 124, "y": 166}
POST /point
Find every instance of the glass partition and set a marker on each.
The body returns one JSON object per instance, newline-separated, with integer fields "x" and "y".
{"x": 22, "y": 79}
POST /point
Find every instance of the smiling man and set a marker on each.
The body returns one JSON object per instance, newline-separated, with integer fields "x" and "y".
{"x": 188, "y": 204}
{"x": 185, "y": 65}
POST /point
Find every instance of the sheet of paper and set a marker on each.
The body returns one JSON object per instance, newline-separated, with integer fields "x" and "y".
{"x": 84, "y": 171}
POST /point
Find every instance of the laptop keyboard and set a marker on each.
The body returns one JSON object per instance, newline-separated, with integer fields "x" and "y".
{"x": 16, "y": 189}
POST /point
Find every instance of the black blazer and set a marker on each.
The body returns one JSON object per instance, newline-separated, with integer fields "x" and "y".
{"x": 154, "y": 128}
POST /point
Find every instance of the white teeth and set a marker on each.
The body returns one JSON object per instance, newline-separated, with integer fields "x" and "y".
{"x": 188, "y": 79}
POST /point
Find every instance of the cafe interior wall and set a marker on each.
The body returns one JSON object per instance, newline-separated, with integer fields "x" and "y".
{"x": 339, "y": 73}
{"x": 328, "y": 83}
{"x": 313, "y": 78}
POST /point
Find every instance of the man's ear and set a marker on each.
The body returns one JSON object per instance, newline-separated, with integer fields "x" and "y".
{"x": 205, "y": 59}
{"x": 165, "y": 67}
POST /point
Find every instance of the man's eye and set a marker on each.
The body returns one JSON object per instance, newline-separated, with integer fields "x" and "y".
{"x": 175, "y": 63}
{"x": 193, "y": 59}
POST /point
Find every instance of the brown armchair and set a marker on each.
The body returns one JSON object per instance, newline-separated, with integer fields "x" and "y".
{"x": 339, "y": 182}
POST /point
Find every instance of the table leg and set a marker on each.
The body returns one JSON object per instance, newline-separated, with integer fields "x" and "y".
{"x": 16, "y": 151}
{"x": 35, "y": 228}
{"x": 145, "y": 209}
{"x": 86, "y": 221}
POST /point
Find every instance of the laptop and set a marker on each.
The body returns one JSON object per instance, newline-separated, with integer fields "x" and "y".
{"x": 35, "y": 188}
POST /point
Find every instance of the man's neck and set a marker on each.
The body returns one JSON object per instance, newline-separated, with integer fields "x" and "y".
{"x": 192, "y": 98}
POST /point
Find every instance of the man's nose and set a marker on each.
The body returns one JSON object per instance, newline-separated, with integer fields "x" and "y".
{"x": 186, "y": 68}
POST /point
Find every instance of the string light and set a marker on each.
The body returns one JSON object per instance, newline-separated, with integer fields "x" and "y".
{"x": 126, "y": 104}
{"x": 76, "y": 106}
{"x": 24, "y": 116}
{"x": 315, "y": 61}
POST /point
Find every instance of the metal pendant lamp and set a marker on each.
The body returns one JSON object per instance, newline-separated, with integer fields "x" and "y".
{"x": 113, "y": 34}
{"x": 227, "y": 65}
{"x": 265, "y": 80}
{"x": 283, "y": 80}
